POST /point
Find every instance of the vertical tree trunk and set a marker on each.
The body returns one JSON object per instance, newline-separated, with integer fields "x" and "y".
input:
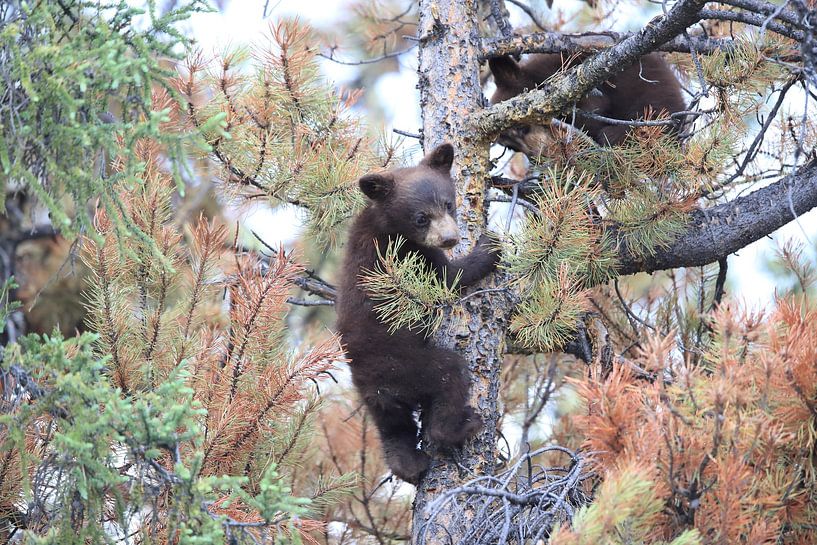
{"x": 449, "y": 91}
{"x": 11, "y": 231}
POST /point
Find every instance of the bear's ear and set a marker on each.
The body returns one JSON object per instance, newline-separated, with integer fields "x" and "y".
{"x": 377, "y": 186}
{"x": 440, "y": 158}
{"x": 505, "y": 70}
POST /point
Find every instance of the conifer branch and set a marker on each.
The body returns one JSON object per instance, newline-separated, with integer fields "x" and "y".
{"x": 714, "y": 233}
{"x": 307, "y": 281}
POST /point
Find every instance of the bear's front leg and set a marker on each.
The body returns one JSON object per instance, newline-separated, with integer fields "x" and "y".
{"x": 476, "y": 265}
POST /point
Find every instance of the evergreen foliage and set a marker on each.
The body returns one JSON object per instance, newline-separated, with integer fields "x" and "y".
{"x": 546, "y": 319}
{"x": 181, "y": 419}
{"x": 91, "y": 465}
{"x": 408, "y": 293}
{"x": 554, "y": 255}
{"x": 729, "y": 439}
{"x": 76, "y": 85}
{"x": 189, "y": 414}
{"x": 623, "y": 511}
{"x": 292, "y": 138}
{"x": 641, "y": 191}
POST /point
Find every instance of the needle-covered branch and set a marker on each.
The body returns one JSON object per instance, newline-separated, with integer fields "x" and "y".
{"x": 714, "y": 233}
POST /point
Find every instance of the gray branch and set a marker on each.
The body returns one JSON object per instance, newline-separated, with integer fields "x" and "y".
{"x": 558, "y": 42}
{"x": 544, "y": 103}
{"x": 521, "y": 504}
{"x": 754, "y": 19}
{"x": 714, "y": 233}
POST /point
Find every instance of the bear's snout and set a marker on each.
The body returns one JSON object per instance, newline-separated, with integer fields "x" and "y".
{"x": 449, "y": 243}
{"x": 442, "y": 233}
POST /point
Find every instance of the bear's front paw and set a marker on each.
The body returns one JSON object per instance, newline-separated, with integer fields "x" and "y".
{"x": 408, "y": 465}
{"x": 490, "y": 246}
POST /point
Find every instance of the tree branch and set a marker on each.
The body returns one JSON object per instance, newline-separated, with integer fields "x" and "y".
{"x": 568, "y": 88}
{"x": 749, "y": 18}
{"x": 768, "y": 9}
{"x": 558, "y": 42}
{"x": 714, "y": 233}
{"x": 529, "y": 12}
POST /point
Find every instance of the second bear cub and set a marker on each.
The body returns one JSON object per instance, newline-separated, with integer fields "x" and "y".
{"x": 646, "y": 89}
{"x": 396, "y": 374}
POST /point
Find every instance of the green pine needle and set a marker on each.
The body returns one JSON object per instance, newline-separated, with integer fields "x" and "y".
{"x": 408, "y": 291}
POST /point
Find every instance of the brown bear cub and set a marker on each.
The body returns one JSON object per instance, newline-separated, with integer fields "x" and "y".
{"x": 646, "y": 89}
{"x": 396, "y": 374}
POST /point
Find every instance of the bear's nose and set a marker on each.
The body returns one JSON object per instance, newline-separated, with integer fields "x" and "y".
{"x": 449, "y": 242}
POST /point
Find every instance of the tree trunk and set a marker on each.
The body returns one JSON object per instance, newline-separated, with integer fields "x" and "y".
{"x": 11, "y": 233}
{"x": 449, "y": 91}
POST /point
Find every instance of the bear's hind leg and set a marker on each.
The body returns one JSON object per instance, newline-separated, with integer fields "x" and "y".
{"x": 449, "y": 419}
{"x": 398, "y": 435}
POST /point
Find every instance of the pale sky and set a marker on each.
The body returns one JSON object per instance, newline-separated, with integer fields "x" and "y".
{"x": 242, "y": 23}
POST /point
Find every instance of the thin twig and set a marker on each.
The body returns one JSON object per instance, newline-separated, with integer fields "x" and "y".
{"x": 408, "y": 134}
{"x": 374, "y": 60}
{"x": 719, "y": 284}
{"x": 752, "y": 19}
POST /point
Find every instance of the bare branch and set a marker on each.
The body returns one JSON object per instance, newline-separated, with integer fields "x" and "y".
{"x": 753, "y": 147}
{"x": 529, "y": 12}
{"x": 310, "y": 303}
{"x": 391, "y": 55}
{"x": 38, "y": 232}
{"x": 500, "y": 16}
{"x": 714, "y": 233}
{"x": 753, "y": 19}
{"x": 408, "y": 134}
{"x": 309, "y": 282}
{"x": 558, "y": 42}
{"x": 768, "y": 9}
{"x": 520, "y": 505}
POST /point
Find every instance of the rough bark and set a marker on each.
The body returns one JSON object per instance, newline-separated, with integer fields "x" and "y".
{"x": 12, "y": 233}
{"x": 449, "y": 91}
{"x": 542, "y": 104}
{"x": 558, "y": 42}
{"x": 714, "y": 233}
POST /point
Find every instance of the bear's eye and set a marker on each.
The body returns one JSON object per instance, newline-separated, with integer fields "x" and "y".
{"x": 449, "y": 206}
{"x": 421, "y": 220}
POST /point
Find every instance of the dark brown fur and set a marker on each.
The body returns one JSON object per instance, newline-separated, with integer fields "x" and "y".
{"x": 644, "y": 90}
{"x": 399, "y": 373}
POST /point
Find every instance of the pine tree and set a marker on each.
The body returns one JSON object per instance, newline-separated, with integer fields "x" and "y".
{"x": 193, "y": 412}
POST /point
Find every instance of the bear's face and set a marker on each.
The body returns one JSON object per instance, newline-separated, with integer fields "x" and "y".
{"x": 418, "y": 202}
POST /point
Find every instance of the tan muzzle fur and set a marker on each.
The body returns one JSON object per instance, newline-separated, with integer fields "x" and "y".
{"x": 442, "y": 232}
